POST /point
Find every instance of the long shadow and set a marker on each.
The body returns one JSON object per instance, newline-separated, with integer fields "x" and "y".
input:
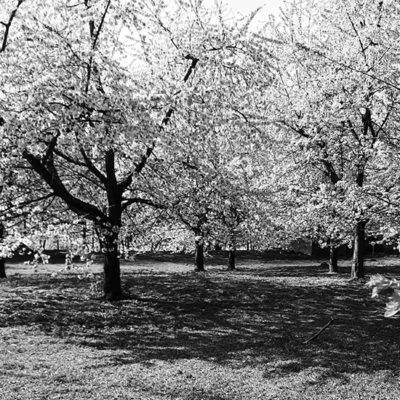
{"x": 243, "y": 317}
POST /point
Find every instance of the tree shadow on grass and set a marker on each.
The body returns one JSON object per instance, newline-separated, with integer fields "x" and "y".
{"x": 246, "y": 317}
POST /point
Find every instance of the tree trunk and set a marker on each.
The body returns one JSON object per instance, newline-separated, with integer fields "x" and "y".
{"x": 2, "y": 260}
{"x": 333, "y": 259}
{"x": 357, "y": 268}
{"x": 112, "y": 276}
{"x": 2, "y": 268}
{"x": 217, "y": 246}
{"x": 199, "y": 256}
{"x": 231, "y": 259}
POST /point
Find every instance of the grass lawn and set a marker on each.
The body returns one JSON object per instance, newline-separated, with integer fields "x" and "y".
{"x": 200, "y": 336}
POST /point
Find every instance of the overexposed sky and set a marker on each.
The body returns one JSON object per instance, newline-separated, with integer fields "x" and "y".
{"x": 246, "y": 6}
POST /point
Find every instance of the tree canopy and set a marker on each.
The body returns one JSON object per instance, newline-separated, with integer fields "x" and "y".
{"x": 119, "y": 113}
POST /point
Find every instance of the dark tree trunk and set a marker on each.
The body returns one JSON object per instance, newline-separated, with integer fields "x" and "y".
{"x": 333, "y": 259}
{"x": 217, "y": 247}
{"x": 112, "y": 276}
{"x": 199, "y": 256}
{"x": 84, "y": 232}
{"x": 2, "y": 261}
{"x": 357, "y": 267}
{"x": 2, "y": 268}
{"x": 231, "y": 259}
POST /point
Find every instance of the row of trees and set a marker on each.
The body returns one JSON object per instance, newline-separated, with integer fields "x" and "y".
{"x": 137, "y": 116}
{"x": 338, "y": 96}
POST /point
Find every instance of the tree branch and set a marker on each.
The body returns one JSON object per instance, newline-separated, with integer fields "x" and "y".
{"x": 50, "y": 176}
{"x": 319, "y": 332}
{"x": 7, "y": 26}
{"x": 92, "y": 168}
{"x": 97, "y": 34}
{"x": 50, "y": 148}
{"x": 380, "y": 128}
{"x": 330, "y": 171}
{"x": 349, "y": 67}
{"x": 300, "y": 131}
{"x": 194, "y": 60}
{"x": 68, "y": 158}
{"x": 359, "y": 39}
{"x": 137, "y": 200}
{"x": 123, "y": 185}
{"x": 31, "y": 201}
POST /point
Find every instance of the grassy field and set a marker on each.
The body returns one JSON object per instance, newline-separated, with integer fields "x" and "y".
{"x": 198, "y": 336}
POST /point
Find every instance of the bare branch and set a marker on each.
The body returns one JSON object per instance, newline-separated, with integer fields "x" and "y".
{"x": 300, "y": 131}
{"x": 349, "y": 67}
{"x": 194, "y": 60}
{"x": 92, "y": 168}
{"x": 363, "y": 49}
{"x": 149, "y": 151}
{"x": 68, "y": 158}
{"x": 49, "y": 174}
{"x": 137, "y": 200}
{"x": 319, "y": 332}
{"x": 97, "y": 34}
{"x": 7, "y": 26}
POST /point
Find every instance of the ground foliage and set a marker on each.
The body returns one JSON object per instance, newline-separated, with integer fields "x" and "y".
{"x": 185, "y": 335}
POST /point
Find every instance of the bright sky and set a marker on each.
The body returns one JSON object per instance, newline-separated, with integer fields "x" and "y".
{"x": 246, "y": 6}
